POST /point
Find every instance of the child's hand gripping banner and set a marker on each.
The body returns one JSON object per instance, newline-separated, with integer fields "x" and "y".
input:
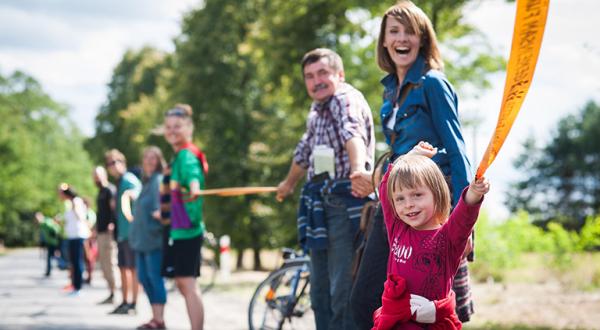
{"x": 530, "y": 22}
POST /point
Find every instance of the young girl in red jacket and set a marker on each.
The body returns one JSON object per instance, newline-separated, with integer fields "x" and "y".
{"x": 426, "y": 242}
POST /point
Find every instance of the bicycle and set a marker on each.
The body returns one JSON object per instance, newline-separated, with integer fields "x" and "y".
{"x": 282, "y": 300}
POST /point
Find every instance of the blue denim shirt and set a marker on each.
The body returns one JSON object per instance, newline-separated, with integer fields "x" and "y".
{"x": 429, "y": 113}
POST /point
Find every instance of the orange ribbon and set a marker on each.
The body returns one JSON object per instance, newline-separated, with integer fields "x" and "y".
{"x": 527, "y": 38}
{"x": 236, "y": 191}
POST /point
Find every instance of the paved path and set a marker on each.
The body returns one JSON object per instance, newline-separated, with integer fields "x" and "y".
{"x": 30, "y": 301}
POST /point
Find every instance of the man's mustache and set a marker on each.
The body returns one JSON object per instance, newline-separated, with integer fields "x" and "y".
{"x": 319, "y": 87}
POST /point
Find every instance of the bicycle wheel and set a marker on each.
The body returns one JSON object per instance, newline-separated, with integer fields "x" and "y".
{"x": 208, "y": 267}
{"x": 208, "y": 274}
{"x": 282, "y": 300}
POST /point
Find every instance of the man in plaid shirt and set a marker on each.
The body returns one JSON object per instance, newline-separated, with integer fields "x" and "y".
{"x": 340, "y": 121}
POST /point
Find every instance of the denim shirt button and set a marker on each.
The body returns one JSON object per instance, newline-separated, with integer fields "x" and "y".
{"x": 405, "y": 115}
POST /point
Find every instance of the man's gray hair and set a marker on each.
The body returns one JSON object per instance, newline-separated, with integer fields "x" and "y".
{"x": 335, "y": 61}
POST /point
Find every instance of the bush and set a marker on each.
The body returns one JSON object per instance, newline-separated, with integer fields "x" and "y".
{"x": 493, "y": 251}
{"x": 589, "y": 237}
{"x": 17, "y": 231}
{"x": 499, "y": 247}
{"x": 523, "y": 236}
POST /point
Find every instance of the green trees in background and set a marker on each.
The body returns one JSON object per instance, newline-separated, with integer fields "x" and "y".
{"x": 134, "y": 106}
{"x": 39, "y": 148}
{"x": 237, "y": 64}
{"x": 561, "y": 180}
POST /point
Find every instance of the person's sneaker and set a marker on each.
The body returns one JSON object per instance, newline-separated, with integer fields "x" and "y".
{"x": 131, "y": 309}
{"x": 123, "y": 308}
{"x": 107, "y": 301}
{"x": 68, "y": 288}
{"x": 74, "y": 293}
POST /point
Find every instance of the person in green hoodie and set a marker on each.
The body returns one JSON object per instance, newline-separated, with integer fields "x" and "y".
{"x": 49, "y": 238}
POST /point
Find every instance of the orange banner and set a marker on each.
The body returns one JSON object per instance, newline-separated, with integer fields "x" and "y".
{"x": 236, "y": 191}
{"x": 530, "y": 22}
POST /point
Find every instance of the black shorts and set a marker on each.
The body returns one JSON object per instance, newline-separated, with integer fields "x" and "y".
{"x": 182, "y": 257}
{"x": 125, "y": 255}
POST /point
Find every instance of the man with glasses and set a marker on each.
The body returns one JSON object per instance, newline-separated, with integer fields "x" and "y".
{"x": 128, "y": 188}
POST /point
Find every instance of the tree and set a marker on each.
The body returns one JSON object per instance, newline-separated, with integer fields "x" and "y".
{"x": 137, "y": 98}
{"x": 39, "y": 148}
{"x": 562, "y": 178}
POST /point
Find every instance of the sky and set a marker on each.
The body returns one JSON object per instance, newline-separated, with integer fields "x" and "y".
{"x": 71, "y": 48}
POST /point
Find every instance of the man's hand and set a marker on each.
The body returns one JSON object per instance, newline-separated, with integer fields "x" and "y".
{"x": 284, "y": 189}
{"x": 476, "y": 190}
{"x": 422, "y": 308}
{"x": 362, "y": 185}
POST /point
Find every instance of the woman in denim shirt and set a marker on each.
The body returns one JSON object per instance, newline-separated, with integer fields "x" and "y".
{"x": 419, "y": 104}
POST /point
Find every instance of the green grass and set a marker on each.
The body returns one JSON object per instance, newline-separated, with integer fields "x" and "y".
{"x": 491, "y": 326}
{"x": 504, "y": 327}
{"x": 582, "y": 273}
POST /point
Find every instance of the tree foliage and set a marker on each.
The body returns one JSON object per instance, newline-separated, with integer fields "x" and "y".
{"x": 39, "y": 148}
{"x": 137, "y": 97}
{"x": 562, "y": 179}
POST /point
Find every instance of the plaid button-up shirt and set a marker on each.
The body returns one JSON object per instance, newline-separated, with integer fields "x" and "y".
{"x": 332, "y": 123}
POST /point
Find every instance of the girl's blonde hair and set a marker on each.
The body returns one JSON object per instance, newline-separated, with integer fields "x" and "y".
{"x": 413, "y": 171}
{"x": 415, "y": 20}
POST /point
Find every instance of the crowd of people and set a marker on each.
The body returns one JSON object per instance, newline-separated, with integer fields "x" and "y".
{"x": 154, "y": 219}
{"x": 412, "y": 272}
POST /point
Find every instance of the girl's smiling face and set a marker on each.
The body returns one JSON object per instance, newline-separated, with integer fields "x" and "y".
{"x": 416, "y": 207}
{"x": 178, "y": 131}
{"x": 401, "y": 43}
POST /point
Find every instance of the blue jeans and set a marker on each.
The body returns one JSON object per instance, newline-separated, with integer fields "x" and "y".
{"x": 63, "y": 261}
{"x": 148, "y": 266}
{"x": 331, "y": 273}
{"x": 76, "y": 259}
{"x": 49, "y": 256}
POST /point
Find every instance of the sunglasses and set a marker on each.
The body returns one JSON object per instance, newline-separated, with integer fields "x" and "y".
{"x": 176, "y": 112}
{"x": 111, "y": 163}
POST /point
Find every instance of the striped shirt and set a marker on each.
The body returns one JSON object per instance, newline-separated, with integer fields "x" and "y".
{"x": 332, "y": 123}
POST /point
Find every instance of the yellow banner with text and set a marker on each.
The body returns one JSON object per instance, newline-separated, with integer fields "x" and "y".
{"x": 530, "y": 23}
